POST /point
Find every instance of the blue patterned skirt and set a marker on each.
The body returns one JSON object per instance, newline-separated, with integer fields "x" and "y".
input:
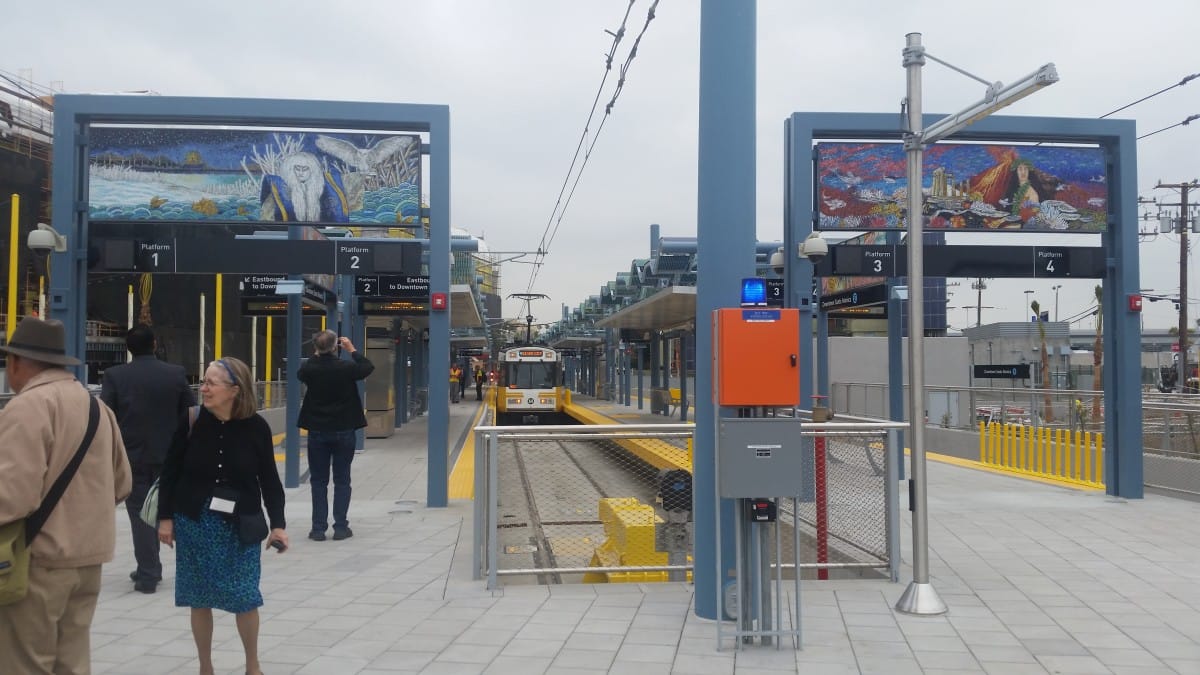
{"x": 213, "y": 569}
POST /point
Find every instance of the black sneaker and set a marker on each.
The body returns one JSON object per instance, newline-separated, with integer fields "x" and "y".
{"x": 145, "y": 586}
{"x": 317, "y": 535}
{"x": 340, "y": 533}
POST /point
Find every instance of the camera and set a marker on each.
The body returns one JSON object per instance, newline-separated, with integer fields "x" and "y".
{"x": 45, "y": 240}
{"x": 814, "y": 247}
{"x": 776, "y": 260}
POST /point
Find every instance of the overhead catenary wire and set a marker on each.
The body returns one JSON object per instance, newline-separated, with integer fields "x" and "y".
{"x": 574, "y": 174}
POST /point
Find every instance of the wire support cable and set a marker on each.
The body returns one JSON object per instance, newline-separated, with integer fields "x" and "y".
{"x": 560, "y": 207}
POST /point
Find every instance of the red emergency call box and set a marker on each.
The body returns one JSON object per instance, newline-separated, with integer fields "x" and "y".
{"x": 756, "y": 357}
{"x": 437, "y": 301}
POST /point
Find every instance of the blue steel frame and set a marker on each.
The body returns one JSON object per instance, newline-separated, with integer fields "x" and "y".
{"x": 1117, "y": 138}
{"x": 73, "y": 117}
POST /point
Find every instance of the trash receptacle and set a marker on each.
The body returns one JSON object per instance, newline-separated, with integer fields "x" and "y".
{"x": 660, "y": 401}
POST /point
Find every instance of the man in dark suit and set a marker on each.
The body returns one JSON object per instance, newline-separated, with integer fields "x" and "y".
{"x": 331, "y": 412}
{"x": 150, "y": 397}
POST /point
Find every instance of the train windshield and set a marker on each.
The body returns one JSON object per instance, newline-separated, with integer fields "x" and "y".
{"x": 531, "y": 375}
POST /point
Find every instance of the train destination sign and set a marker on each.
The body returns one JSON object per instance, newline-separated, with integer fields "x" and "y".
{"x": 392, "y": 286}
{"x": 1013, "y": 371}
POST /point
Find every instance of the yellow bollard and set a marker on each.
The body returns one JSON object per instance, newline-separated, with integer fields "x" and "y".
{"x": 982, "y": 443}
{"x": 1041, "y": 433}
{"x": 1087, "y": 457}
{"x": 1079, "y": 455}
{"x": 1100, "y": 458}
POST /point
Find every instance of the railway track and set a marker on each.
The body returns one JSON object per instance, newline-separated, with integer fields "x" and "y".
{"x": 549, "y": 497}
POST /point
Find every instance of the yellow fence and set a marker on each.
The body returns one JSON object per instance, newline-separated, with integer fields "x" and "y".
{"x": 1059, "y": 454}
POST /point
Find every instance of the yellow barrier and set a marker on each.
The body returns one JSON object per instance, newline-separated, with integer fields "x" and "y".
{"x": 629, "y": 527}
{"x": 1058, "y": 454}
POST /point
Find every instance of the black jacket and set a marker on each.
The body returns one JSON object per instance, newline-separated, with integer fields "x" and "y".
{"x": 239, "y": 454}
{"x": 148, "y": 397}
{"x": 331, "y": 402}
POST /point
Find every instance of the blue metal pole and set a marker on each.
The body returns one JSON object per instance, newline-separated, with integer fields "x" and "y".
{"x": 437, "y": 494}
{"x": 640, "y": 348}
{"x": 291, "y": 457}
{"x": 895, "y": 350}
{"x": 68, "y": 271}
{"x": 725, "y": 241}
{"x": 1123, "y": 471}
{"x": 400, "y": 372}
{"x": 685, "y": 341}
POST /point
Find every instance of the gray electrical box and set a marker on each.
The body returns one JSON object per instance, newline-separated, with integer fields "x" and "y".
{"x": 759, "y": 457}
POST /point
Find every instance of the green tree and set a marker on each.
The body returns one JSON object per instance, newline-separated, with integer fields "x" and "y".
{"x": 1048, "y": 402}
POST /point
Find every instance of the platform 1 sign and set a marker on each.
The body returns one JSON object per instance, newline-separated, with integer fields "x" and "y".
{"x": 999, "y": 371}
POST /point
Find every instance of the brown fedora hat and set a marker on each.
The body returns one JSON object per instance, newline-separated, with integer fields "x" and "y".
{"x": 40, "y": 340}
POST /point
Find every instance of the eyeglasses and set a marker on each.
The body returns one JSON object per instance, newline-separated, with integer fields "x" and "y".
{"x": 214, "y": 383}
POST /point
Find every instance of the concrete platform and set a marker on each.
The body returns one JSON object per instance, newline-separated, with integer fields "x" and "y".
{"x": 1038, "y": 578}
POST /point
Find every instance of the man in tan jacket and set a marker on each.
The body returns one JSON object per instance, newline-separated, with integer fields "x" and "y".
{"x": 48, "y": 631}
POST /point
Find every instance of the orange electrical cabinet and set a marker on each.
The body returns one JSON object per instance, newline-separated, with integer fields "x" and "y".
{"x": 756, "y": 356}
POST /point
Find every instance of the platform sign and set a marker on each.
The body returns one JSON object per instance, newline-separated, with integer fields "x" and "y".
{"x": 866, "y": 296}
{"x": 776, "y": 293}
{"x": 1052, "y": 261}
{"x": 354, "y": 258}
{"x": 259, "y": 285}
{"x": 1000, "y": 371}
{"x": 871, "y": 261}
{"x": 404, "y": 286}
{"x": 155, "y": 257}
{"x": 370, "y": 257}
{"x": 1001, "y": 262}
{"x": 366, "y": 285}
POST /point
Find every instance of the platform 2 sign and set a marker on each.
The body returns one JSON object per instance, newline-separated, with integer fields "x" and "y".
{"x": 999, "y": 371}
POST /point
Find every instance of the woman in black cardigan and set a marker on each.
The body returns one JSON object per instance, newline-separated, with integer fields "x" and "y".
{"x": 218, "y": 474}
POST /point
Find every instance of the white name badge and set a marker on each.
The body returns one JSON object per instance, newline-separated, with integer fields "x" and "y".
{"x": 222, "y": 505}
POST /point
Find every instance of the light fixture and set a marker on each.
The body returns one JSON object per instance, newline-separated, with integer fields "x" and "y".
{"x": 998, "y": 96}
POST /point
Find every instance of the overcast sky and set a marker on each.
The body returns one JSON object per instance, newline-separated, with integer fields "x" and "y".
{"x": 520, "y": 77}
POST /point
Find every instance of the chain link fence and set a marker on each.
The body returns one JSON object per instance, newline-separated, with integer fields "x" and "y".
{"x": 558, "y": 505}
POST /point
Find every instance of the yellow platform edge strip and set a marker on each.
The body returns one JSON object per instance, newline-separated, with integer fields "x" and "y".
{"x": 980, "y": 466}
{"x": 659, "y": 454}
{"x": 462, "y": 477}
{"x": 278, "y": 438}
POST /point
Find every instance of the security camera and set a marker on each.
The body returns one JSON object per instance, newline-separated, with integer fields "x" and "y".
{"x": 776, "y": 261}
{"x": 45, "y": 240}
{"x": 814, "y": 247}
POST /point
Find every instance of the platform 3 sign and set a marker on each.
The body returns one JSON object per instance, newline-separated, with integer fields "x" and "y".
{"x": 1000, "y": 371}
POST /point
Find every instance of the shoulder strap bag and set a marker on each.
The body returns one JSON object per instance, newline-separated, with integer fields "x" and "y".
{"x": 149, "y": 512}
{"x": 16, "y": 536}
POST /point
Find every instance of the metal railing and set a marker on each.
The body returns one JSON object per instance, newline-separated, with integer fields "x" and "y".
{"x": 270, "y": 394}
{"x": 966, "y": 407}
{"x": 569, "y": 504}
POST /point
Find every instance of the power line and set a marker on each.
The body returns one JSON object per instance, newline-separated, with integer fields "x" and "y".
{"x": 1180, "y": 83}
{"x": 560, "y": 206}
{"x": 1184, "y": 123}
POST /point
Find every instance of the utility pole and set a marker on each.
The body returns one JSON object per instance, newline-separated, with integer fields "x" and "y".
{"x": 979, "y": 287}
{"x": 1181, "y": 226}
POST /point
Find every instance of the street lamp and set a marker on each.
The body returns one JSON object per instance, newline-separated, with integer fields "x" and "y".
{"x": 920, "y": 597}
{"x": 1055, "y": 289}
{"x": 1028, "y": 307}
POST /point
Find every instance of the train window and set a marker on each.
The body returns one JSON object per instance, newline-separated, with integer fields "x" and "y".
{"x": 531, "y": 375}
